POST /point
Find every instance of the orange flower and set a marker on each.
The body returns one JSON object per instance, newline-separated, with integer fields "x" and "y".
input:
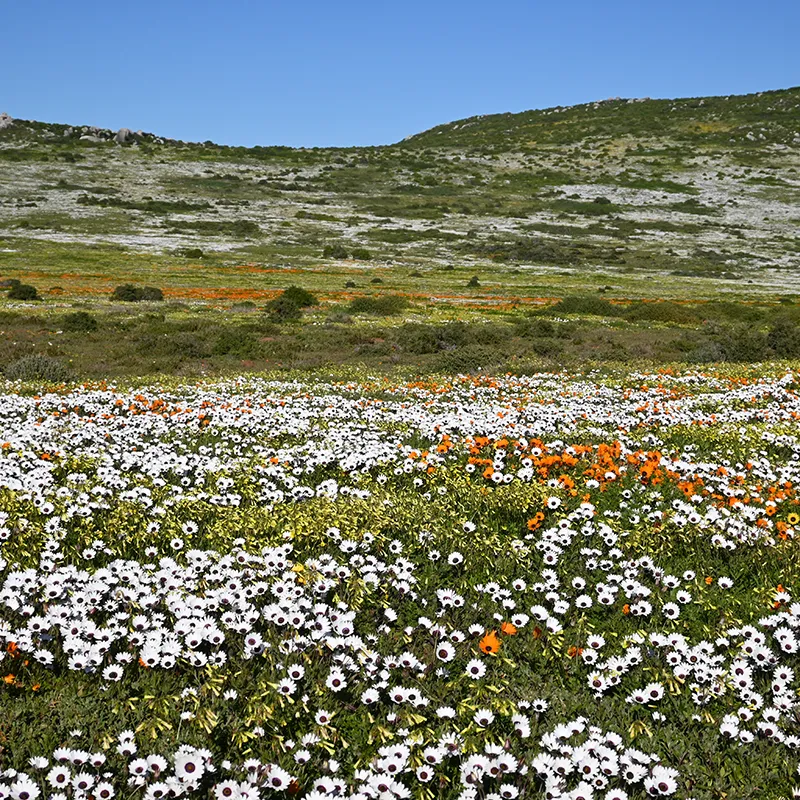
{"x": 709, "y": 580}
{"x": 626, "y": 609}
{"x": 537, "y": 632}
{"x": 490, "y": 643}
{"x": 509, "y": 628}
{"x": 9, "y": 678}
{"x": 535, "y": 521}
{"x": 36, "y": 687}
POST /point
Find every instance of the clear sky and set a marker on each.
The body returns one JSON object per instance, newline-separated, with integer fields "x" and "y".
{"x": 352, "y": 72}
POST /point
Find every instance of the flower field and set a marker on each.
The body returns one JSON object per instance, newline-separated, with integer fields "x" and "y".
{"x": 549, "y": 586}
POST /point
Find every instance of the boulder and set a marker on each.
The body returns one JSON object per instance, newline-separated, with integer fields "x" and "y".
{"x": 123, "y": 135}
{"x": 5, "y": 121}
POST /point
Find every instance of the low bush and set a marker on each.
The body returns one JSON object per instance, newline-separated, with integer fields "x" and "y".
{"x": 128, "y": 293}
{"x": 302, "y": 298}
{"x": 381, "y": 306}
{"x": 79, "y": 322}
{"x": 38, "y": 368}
{"x": 662, "y": 311}
{"x": 335, "y": 251}
{"x": 23, "y": 291}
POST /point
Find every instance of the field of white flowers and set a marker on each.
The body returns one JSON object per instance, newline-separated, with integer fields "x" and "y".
{"x": 550, "y": 586}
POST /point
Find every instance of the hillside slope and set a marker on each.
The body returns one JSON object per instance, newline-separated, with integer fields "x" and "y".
{"x": 678, "y": 197}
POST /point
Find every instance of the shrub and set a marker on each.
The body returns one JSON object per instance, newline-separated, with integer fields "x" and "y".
{"x": 235, "y": 341}
{"x": 335, "y": 251}
{"x": 289, "y": 305}
{"x": 80, "y": 321}
{"x": 190, "y": 252}
{"x": 151, "y": 294}
{"x": 128, "y": 293}
{"x": 282, "y": 309}
{"x": 23, "y": 291}
{"x": 417, "y": 338}
{"x": 784, "y": 338}
{"x": 302, "y": 298}
{"x": 383, "y": 306}
{"x": 467, "y": 359}
{"x": 361, "y": 253}
{"x": 38, "y": 368}
{"x": 662, "y": 311}
{"x": 473, "y": 282}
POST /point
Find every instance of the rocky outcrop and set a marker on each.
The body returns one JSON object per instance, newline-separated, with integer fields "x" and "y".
{"x": 5, "y": 121}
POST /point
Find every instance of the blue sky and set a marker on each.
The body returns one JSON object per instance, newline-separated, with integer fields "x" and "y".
{"x": 360, "y": 73}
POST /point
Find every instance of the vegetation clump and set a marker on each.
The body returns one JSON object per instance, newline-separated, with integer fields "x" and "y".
{"x": 288, "y": 305}
{"x": 379, "y": 306}
{"x": 79, "y": 321}
{"x": 128, "y": 293}
{"x": 23, "y": 291}
{"x": 38, "y": 368}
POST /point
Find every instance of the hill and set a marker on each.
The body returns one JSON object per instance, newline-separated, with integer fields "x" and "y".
{"x": 691, "y": 199}
{"x": 704, "y": 187}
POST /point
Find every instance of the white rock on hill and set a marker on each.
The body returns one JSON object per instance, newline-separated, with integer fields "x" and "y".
{"x": 5, "y": 121}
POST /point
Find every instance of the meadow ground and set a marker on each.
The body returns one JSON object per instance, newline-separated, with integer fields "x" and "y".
{"x": 257, "y": 546}
{"x": 561, "y": 585}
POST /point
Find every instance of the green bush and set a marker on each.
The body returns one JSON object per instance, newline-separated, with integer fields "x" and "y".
{"x": 38, "y": 368}
{"x": 382, "y": 306}
{"x": 467, "y": 359}
{"x": 151, "y": 294}
{"x": 361, "y": 253}
{"x": 80, "y": 321}
{"x": 473, "y": 282}
{"x": 784, "y": 338}
{"x": 283, "y": 309}
{"x": 743, "y": 343}
{"x": 335, "y": 251}
{"x": 128, "y": 293}
{"x": 300, "y": 297}
{"x": 190, "y": 252}
{"x": 289, "y": 305}
{"x": 23, "y": 291}
{"x": 662, "y": 311}
{"x": 417, "y": 338}
{"x": 235, "y": 341}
